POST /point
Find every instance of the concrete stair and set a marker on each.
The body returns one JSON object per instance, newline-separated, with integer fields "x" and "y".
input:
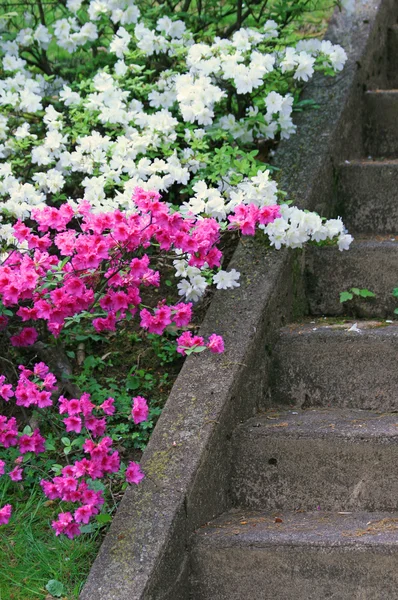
{"x": 314, "y": 480}
{"x": 334, "y": 459}
{"x": 392, "y": 69}
{"x": 322, "y": 364}
{"x": 368, "y": 195}
{"x": 371, "y": 263}
{"x": 302, "y": 556}
{"x": 381, "y": 127}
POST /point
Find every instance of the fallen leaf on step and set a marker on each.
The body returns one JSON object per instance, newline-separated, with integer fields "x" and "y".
{"x": 278, "y": 520}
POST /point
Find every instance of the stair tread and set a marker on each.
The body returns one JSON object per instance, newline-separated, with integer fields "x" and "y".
{"x": 384, "y": 91}
{"x": 322, "y": 422}
{"x": 319, "y": 326}
{"x": 369, "y": 162}
{"x": 317, "y": 528}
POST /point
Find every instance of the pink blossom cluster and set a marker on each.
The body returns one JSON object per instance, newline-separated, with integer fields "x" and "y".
{"x": 164, "y": 315}
{"x": 101, "y": 460}
{"x": 75, "y": 261}
{"x": 187, "y": 343}
{"x": 102, "y": 263}
{"x": 246, "y": 217}
{"x": 34, "y": 388}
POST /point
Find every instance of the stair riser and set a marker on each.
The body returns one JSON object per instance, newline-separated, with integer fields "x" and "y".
{"x": 301, "y": 573}
{"x": 367, "y": 196}
{"x": 367, "y": 265}
{"x": 381, "y": 128}
{"x": 330, "y": 368}
{"x": 333, "y": 474}
{"x": 392, "y": 72}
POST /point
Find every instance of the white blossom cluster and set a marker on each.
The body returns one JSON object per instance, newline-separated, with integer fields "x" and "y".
{"x": 145, "y": 130}
{"x": 296, "y": 227}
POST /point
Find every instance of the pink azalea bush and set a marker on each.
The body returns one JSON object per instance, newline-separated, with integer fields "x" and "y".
{"x": 76, "y": 262}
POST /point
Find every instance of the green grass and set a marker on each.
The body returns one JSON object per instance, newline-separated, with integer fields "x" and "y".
{"x": 31, "y": 555}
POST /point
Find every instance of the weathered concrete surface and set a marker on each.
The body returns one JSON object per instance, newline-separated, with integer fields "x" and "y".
{"x": 381, "y": 125}
{"x": 338, "y": 459}
{"x": 352, "y": 369}
{"x": 309, "y": 556}
{"x": 368, "y": 195}
{"x": 188, "y": 458}
{"x": 144, "y": 556}
{"x": 371, "y": 263}
{"x": 309, "y": 161}
{"x": 392, "y": 71}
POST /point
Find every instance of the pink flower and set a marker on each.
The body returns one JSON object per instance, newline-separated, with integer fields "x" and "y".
{"x": 96, "y": 426}
{"x": 6, "y": 391}
{"x": 84, "y": 513}
{"x": 73, "y": 424}
{"x": 183, "y": 314}
{"x": 5, "y": 514}
{"x": 16, "y": 474}
{"x": 134, "y": 473}
{"x": 31, "y": 443}
{"x": 216, "y": 344}
{"x": 66, "y": 525}
{"x": 108, "y": 406}
{"x": 2, "y": 467}
{"x": 26, "y": 337}
{"x": 140, "y": 410}
{"x": 187, "y": 341}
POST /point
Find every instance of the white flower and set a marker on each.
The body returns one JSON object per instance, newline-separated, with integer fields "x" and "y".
{"x": 174, "y": 29}
{"x": 344, "y": 241}
{"x": 120, "y": 42}
{"x": 305, "y": 66}
{"x": 273, "y": 102}
{"x": 121, "y": 68}
{"x": 225, "y": 280}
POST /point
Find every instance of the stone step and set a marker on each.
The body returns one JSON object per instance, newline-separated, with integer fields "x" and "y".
{"x": 392, "y": 69}
{"x": 367, "y": 196}
{"x": 371, "y": 263}
{"x": 335, "y": 459}
{"x": 296, "y": 556}
{"x": 381, "y": 127}
{"x": 324, "y": 364}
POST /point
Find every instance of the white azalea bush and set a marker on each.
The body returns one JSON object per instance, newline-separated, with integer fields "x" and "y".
{"x": 150, "y": 104}
{"x": 132, "y": 138}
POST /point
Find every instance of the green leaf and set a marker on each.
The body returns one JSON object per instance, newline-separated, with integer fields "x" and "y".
{"x": 367, "y": 294}
{"x": 395, "y": 292}
{"x": 104, "y": 518}
{"x": 87, "y": 528}
{"x": 396, "y": 311}
{"x": 55, "y": 588}
{"x": 65, "y": 441}
{"x": 344, "y": 296}
{"x": 356, "y": 291}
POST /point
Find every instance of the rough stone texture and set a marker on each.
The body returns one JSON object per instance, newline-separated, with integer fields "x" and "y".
{"x": 368, "y": 196}
{"x": 188, "y": 457}
{"x": 381, "y": 125}
{"x": 309, "y": 556}
{"x": 351, "y": 369}
{"x": 338, "y": 459}
{"x": 392, "y": 72}
{"x": 144, "y": 555}
{"x": 309, "y": 161}
{"x": 370, "y": 263}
